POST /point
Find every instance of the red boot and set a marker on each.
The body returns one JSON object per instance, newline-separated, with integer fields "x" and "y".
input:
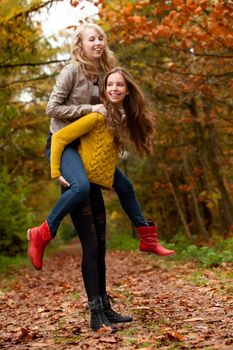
{"x": 149, "y": 241}
{"x": 38, "y": 238}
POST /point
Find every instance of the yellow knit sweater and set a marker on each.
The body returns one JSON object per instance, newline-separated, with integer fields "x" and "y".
{"x": 97, "y": 148}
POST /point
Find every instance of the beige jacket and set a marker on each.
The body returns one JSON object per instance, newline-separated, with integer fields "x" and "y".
{"x": 70, "y": 98}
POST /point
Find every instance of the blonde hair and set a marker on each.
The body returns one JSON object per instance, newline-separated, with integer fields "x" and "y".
{"x": 90, "y": 69}
{"x": 139, "y": 123}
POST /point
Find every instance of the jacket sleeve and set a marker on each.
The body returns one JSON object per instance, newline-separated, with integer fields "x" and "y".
{"x": 69, "y": 133}
{"x": 56, "y": 107}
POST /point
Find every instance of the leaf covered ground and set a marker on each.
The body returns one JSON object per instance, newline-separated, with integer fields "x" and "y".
{"x": 175, "y": 305}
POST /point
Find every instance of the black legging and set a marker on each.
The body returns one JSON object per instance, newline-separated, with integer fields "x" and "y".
{"x": 89, "y": 219}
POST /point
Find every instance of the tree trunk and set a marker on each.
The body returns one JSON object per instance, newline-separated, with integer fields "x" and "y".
{"x": 200, "y": 221}
{"x": 208, "y": 143}
{"x": 180, "y": 212}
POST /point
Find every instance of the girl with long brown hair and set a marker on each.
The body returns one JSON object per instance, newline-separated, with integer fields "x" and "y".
{"x": 128, "y": 120}
{"x": 133, "y": 117}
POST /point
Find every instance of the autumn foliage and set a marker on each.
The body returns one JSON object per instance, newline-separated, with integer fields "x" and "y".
{"x": 181, "y": 53}
{"x": 24, "y": 89}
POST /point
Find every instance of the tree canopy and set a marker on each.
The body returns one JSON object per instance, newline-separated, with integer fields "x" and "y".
{"x": 180, "y": 52}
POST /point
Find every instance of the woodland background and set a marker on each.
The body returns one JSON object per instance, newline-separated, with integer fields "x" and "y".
{"x": 181, "y": 54}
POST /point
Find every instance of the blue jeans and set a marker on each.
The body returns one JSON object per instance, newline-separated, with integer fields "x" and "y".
{"x": 128, "y": 199}
{"x": 73, "y": 171}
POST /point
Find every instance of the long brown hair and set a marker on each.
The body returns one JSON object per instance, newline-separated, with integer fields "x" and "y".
{"x": 90, "y": 69}
{"x": 139, "y": 121}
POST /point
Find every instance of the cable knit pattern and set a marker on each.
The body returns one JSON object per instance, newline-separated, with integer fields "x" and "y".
{"x": 97, "y": 148}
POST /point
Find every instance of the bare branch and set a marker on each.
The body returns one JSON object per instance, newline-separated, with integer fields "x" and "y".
{"x": 32, "y": 63}
{"x": 41, "y": 77}
{"x": 221, "y": 75}
{"x": 193, "y": 53}
{"x": 33, "y": 8}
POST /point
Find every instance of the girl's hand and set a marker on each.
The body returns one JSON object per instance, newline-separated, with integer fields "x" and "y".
{"x": 100, "y": 109}
{"x": 63, "y": 181}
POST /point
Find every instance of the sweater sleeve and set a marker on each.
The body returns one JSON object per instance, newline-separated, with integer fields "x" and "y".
{"x": 56, "y": 107}
{"x": 66, "y": 135}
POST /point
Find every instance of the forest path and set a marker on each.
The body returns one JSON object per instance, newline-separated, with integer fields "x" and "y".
{"x": 175, "y": 305}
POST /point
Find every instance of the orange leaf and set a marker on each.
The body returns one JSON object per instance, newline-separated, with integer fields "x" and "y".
{"x": 74, "y": 3}
{"x": 170, "y": 65}
{"x": 175, "y": 335}
{"x": 71, "y": 27}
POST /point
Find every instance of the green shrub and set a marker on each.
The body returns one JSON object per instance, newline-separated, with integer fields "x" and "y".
{"x": 15, "y": 217}
{"x": 207, "y": 256}
{"x": 122, "y": 242}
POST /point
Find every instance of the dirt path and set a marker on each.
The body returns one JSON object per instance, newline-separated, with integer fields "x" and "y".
{"x": 174, "y": 305}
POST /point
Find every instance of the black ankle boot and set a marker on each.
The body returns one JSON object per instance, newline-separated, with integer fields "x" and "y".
{"x": 111, "y": 315}
{"x": 98, "y": 318}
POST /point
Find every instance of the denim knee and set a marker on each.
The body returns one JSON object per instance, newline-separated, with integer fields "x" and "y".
{"x": 80, "y": 190}
{"x": 124, "y": 187}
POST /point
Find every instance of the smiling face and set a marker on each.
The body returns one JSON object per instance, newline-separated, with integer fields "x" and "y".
{"x": 116, "y": 88}
{"x": 93, "y": 44}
